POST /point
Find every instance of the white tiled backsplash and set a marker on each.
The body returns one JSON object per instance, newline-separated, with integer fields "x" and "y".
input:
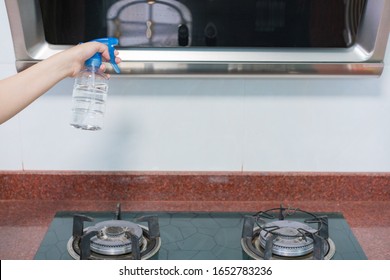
{"x": 264, "y": 124}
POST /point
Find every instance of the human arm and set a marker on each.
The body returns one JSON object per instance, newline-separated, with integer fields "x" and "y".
{"x": 20, "y": 90}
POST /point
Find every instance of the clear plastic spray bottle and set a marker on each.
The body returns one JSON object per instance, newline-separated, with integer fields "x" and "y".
{"x": 90, "y": 90}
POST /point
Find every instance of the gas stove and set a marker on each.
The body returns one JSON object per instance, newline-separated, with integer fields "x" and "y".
{"x": 278, "y": 233}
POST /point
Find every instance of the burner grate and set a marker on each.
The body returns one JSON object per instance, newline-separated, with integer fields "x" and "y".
{"x": 114, "y": 239}
{"x": 275, "y": 234}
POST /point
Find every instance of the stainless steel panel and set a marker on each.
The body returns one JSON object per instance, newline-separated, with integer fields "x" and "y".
{"x": 365, "y": 57}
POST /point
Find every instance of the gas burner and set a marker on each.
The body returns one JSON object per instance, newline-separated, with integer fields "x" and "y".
{"x": 114, "y": 239}
{"x": 289, "y": 242}
{"x": 276, "y": 234}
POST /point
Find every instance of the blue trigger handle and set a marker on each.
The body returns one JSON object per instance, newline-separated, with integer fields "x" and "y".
{"x": 96, "y": 59}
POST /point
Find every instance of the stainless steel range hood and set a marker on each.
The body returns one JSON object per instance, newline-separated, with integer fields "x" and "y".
{"x": 363, "y": 55}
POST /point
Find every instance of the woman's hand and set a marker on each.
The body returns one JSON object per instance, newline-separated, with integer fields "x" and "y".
{"x": 75, "y": 57}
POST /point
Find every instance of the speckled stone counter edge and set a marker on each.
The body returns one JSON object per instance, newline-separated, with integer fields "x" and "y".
{"x": 194, "y": 186}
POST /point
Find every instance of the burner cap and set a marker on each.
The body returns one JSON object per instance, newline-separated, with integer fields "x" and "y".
{"x": 290, "y": 239}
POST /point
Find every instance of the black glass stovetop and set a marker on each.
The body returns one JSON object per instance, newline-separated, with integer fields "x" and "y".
{"x": 192, "y": 235}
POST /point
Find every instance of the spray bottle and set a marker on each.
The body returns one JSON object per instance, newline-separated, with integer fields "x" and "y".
{"x": 90, "y": 90}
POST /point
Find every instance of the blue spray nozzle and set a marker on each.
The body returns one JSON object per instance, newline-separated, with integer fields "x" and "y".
{"x": 96, "y": 59}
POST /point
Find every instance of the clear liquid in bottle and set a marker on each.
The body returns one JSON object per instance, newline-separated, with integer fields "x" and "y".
{"x": 89, "y": 101}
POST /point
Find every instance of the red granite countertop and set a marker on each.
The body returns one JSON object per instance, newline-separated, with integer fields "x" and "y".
{"x": 29, "y": 200}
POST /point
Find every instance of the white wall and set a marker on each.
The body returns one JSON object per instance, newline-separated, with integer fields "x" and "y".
{"x": 291, "y": 124}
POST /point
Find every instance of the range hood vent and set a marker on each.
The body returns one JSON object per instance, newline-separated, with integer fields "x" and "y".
{"x": 250, "y": 38}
